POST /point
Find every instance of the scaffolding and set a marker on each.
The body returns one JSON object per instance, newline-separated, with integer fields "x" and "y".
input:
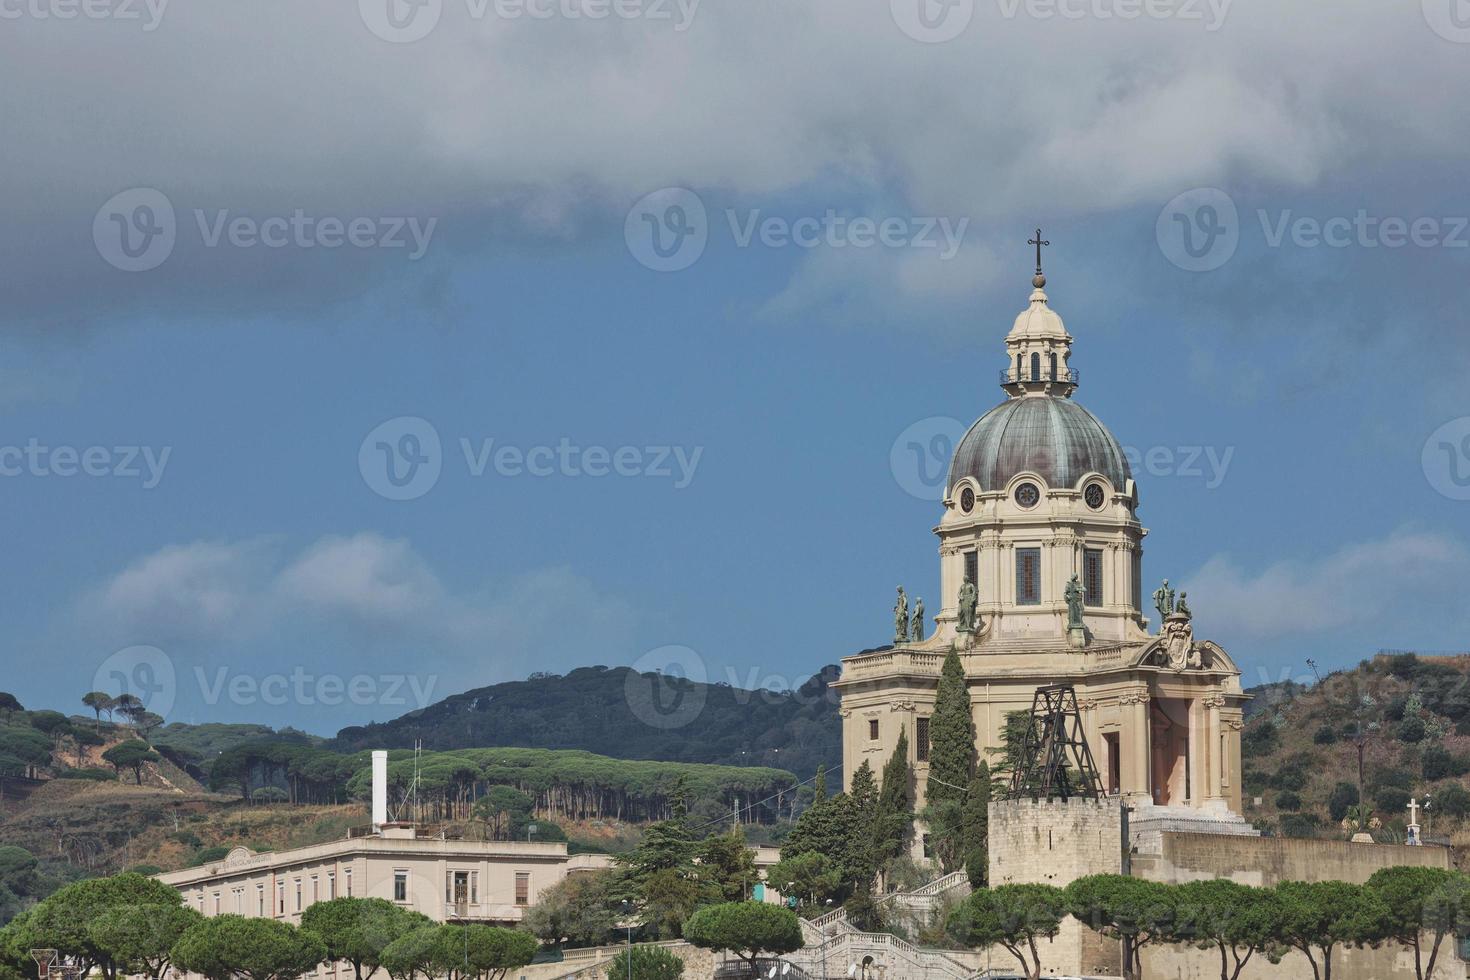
{"x": 1055, "y": 762}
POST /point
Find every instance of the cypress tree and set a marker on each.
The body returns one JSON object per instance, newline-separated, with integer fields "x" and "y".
{"x": 951, "y": 735}
{"x": 976, "y": 827}
{"x": 819, "y": 787}
{"x": 896, "y": 802}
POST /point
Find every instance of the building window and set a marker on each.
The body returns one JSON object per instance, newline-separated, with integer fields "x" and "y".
{"x": 1092, "y": 576}
{"x": 281, "y": 899}
{"x": 1137, "y": 581}
{"x": 316, "y": 894}
{"x": 347, "y": 882}
{"x": 260, "y": 900}
{"x": 1028, "y": 576}
{"x": 216, "y": 903}
{"x": 298, "y": 894}
{"x": 239, "y": 901}
{"x": 331, "y": 885}
{"x": 921, "y": 739}
{"x": 474, "y": 887}
{"x": 971, "y": 566}
{"x": 873, "y": 729}
{"x": 1053, "y": 366}
{"x": 1035, "y": 367}
{"x": 523, "y": 888}
{"x": 400, "y": 886}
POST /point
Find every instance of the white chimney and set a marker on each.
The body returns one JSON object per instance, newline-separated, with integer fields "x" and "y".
{"x": 380, "y": 789}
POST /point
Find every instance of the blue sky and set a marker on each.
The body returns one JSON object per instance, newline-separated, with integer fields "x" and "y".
{"x": 783, "y": 373}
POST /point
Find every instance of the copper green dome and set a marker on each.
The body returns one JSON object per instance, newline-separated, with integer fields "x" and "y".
{"x": 1051, "y": 436}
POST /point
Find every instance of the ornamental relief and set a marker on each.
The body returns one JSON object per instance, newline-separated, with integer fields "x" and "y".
{"x": 1137, "y": 695}
{"x": 903, "y": 705}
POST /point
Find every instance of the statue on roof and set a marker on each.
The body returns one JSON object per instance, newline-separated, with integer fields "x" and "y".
{"x": 1164, "y": 600}
{"x": 901, "y": 618}
{"x": 969, "y": 599}
{"x": 1181, "y": 608}
{"x": 918, "y": 628}
{"x": 1074, "y": 596}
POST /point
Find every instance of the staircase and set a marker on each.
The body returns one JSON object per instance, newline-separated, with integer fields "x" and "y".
{"x": 832, "y": 940}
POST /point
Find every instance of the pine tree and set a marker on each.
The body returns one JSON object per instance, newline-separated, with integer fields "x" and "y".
{"x": 951, "y": 735}
{"x": 977, "y": 827}
{"x": 896, "y": 803}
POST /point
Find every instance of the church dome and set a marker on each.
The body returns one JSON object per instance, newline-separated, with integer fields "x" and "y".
{"x": 1051, "y": 436}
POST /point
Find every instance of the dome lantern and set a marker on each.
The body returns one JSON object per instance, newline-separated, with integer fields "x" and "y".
{"x": 1038, "y": 348}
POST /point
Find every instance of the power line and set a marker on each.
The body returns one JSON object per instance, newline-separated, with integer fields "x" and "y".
{"x": 751, "y": 806}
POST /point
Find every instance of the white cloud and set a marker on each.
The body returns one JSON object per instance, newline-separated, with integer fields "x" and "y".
{"x": 554, "y": 126}
{"x": 244, "y": 604}
{"x": 1387, "y": 584}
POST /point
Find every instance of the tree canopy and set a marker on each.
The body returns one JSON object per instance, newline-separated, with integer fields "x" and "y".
{"x": 232, "y": 947}
{"x": 746, "y": 929}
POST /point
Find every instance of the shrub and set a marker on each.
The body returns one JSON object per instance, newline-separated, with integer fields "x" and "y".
{"x": 1452, "y": 800}
{"x": 1298, "y": 825}
{"x": 1289, "y": 778}
{"x": 1343, "y": 796}
{"x": 94, "y": 775}
{"x": 1391, "y": 799}
{"x": 1288, "y": 801}
{"x": 1411, "y": 730}
{"x": 1326, "y": 735}
{"x": 209, "y": 855}
{"x": 1260, "y": 738}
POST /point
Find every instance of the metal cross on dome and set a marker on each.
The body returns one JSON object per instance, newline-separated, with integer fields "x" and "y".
{"x": 1038, "y": 241}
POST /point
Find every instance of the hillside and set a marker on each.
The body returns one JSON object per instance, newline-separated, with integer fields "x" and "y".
{"x": 1301, "y": 748}
{"x": 599, "y": 710}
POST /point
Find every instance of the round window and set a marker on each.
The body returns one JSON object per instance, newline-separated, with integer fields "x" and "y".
{"x": 1094, "y": 495}
{"x": 1027, "y": 495}
{"x": 967, "y": 499}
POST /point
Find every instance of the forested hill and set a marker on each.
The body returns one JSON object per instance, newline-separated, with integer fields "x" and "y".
{"x": 615, "y": 711}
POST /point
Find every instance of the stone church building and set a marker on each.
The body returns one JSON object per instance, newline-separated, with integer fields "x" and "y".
{"x": 1039, "y": 496}
{"x": 1040, "y": 550}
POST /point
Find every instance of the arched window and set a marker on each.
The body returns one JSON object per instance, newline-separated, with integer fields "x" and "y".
{"x": 1053, "y": 367}
{"x": 1035, "y": 367}
{"x": 1018, "y": 367}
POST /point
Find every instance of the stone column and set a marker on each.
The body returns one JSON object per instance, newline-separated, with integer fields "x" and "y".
{"x": 1134, "y": 742}
{"x": 1214, "y": 789}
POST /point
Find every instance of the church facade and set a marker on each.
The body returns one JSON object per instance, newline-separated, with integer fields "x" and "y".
{"x": 1040, "y": 556}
